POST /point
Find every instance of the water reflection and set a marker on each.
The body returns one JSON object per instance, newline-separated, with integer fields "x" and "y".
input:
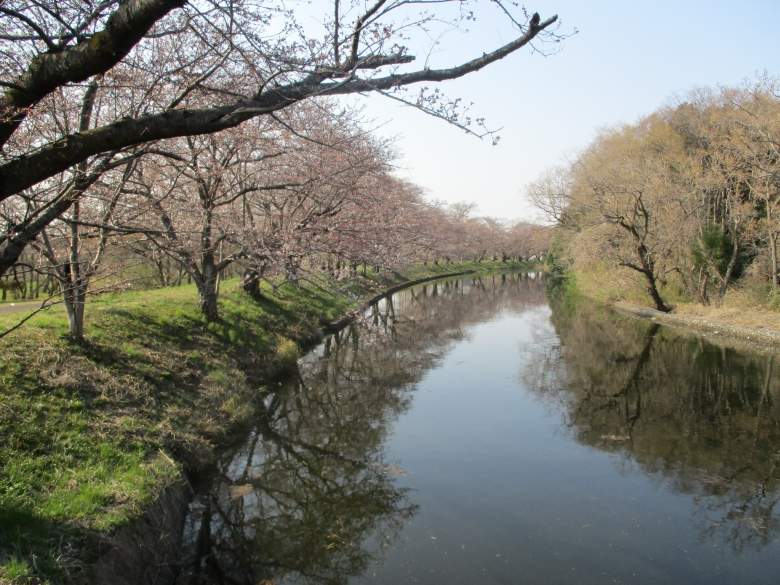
{"x": 310, "y": 497}
{"x": 407, "y": 448}
{"x": 701, "y": 418}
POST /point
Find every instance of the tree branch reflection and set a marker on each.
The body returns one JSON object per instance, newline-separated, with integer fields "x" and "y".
{"x": 702, "y": 418}
{"x": 310, "y": 497}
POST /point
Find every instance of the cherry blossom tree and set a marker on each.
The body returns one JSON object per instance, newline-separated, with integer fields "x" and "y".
{"x": 175, "y": 68}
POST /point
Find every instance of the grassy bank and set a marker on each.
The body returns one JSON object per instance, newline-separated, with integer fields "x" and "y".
{"x": 91, "y": 433}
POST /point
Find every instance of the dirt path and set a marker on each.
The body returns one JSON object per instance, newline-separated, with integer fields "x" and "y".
{"x": 760, "y": 337}
{"x": 20, "y": 307}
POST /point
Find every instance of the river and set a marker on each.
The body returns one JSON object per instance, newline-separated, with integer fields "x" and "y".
{"x": 474, "y": 431}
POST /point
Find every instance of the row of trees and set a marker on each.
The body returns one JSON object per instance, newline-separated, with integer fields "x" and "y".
{"x": 309, "y": 190}
{"x": 688, "y": 197}
{"x": 91, "y": 85}
{"x": 198, "y": 133}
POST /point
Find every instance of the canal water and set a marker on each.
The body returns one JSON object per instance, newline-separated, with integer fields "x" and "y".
{"x": 480, "y": 431}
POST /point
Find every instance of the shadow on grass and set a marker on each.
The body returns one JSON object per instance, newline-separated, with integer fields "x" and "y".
{"x": 156, "y": 378}
{"x": 36, "y": 550}
{"x": 33, "y": 547}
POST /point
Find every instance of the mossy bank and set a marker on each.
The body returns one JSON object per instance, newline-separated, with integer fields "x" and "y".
{"x": 91, "y": 434}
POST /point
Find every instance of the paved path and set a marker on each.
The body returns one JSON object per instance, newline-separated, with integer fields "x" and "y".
{"x": 21, "y": 306}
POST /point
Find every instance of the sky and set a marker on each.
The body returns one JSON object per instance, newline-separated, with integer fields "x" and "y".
{"x": 627, "y": 59}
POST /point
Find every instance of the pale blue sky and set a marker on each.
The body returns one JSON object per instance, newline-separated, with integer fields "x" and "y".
{"x": 628, "y": 58}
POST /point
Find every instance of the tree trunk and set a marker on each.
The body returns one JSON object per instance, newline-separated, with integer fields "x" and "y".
{"x": 208, "y": 301}
{"x": 161, "y": 276}
{"x": 75, "y": 300}
{"x": 207, "y": 288}
{"x": 726, "y": 278}
{"x": 291, "y": 271}
{"x": 250, "y": 282}
{"x": 652, "y": 288}
{"x": 648, "y": 270}
{"x": 773, "y": 258}
{"x": 704, "y": 280}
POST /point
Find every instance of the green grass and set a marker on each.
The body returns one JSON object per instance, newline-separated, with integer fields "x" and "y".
{"x": 91, "y": 433}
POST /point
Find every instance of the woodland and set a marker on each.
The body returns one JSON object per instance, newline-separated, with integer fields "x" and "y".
{"x": 682, "y": 203}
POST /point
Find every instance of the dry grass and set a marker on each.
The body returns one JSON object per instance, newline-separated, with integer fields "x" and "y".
{"x": 740, "y": 308}
{"x": 747, "y": 306}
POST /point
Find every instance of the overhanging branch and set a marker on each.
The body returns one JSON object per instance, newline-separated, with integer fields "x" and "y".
{"x": 25, "y": 171}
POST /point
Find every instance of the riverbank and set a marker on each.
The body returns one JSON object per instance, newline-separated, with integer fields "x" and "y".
{"x": 757, "y": 327}
{"x": 741, "y": 317}
{"x": 92, "y": 434}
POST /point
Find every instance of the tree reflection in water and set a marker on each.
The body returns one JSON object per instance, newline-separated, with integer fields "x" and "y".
{"x": 309, "y": 497}
{"x": 702, "y": 418}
